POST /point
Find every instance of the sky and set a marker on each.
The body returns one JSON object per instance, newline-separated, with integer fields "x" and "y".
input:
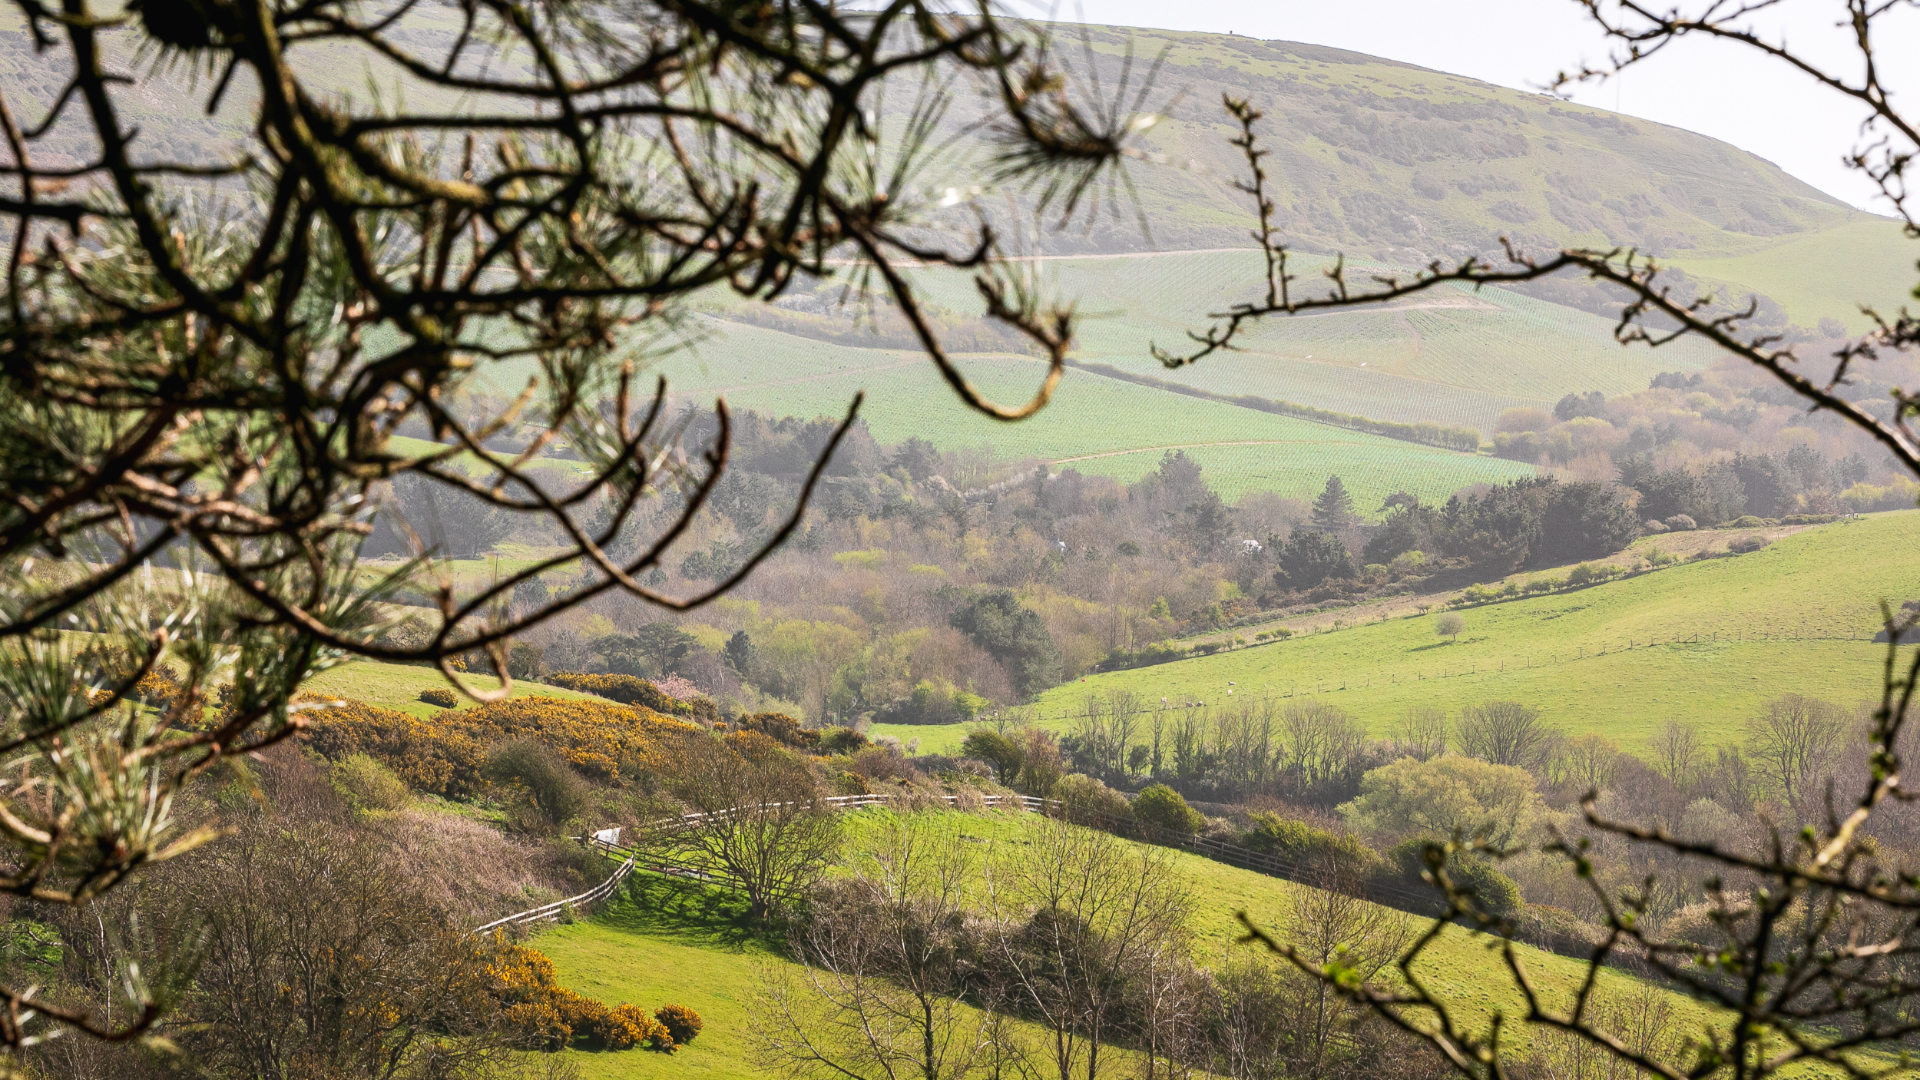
{"x": 1714, "y": 88}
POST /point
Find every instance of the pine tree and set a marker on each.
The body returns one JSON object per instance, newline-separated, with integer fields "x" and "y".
{"x": 1333, "y": 508}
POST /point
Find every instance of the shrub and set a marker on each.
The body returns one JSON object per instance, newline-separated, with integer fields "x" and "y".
{"x": 1653, "y": 525}
{"x": 681, "y": 1022}
{"x": 444, "y": 754}
{"x": 626, "y": 689}
{"x": 841, "y": 740}
{"x": 368, "y": 785}
{"x": 440, "y": 696}
{"x": 995, "y": 749}
{"x": 781, "y": 728}
{"x": 1495, "y": 891}
{"x": 556, "y": 792}
{"x": 1681, "y": 523}
{"x": 1299, "y": 841}
{"x": 1743, "y": 544}
{"x": 1449, "y": 626}
{"x": 1587, "y": 574}
{"x": 1163, "y": 808}
{"x": 1747, "y": 521}
{"x": 1086, "y": 801}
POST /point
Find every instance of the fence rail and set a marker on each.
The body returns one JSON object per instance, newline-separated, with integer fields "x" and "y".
{"x": 553, "y": 910}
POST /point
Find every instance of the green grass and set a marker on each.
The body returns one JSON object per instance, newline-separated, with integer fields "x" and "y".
{"x": 1827, "y": 274}
{"x": 1241, "y": 449}
{"x": 666, "y": 941}
{"x": 398, "y": 686}
{"x": 1707, "y": 642}
{"x": 1451, "y": 356}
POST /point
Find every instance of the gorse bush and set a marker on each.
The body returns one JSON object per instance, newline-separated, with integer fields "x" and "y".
{"x": 446, "y": 754}
{"x": 440, "y": 696}
{"x": 548, "y": 1016}
{"x": 681, "y": 1022}
{"x": 626, "y": 689}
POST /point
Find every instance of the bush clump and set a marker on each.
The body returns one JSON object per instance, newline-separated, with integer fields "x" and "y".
{"x": 682, "y": 1023}
{"x": 549, "y": 1016}
{"x": 1681, "y": 523}
{"x": 1741, "y": 545}
{"x": 603, "y": 742}
{"x": 366, "y": 784}
{"x": 1086, "y": 801}
{"x": 1496, "y": 893}
{"x": 440, "y": 696}
{"x": 1162, "y": 807}
{"x": 1300, "y": 842}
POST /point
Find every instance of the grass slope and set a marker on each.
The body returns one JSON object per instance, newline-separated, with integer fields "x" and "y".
{"x": 1453, "y": 356}
{"x": 1828, "y": 274}
{"x": 398, "y": 686}
{"x": 1097, "y": 424}
{"x": 1707, "y": 641}
{"x": 665, "y": 941}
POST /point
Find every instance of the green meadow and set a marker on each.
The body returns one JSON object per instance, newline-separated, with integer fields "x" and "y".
{"x": 1095, "y": 424}
{"x": 398, "y": 686}
{"x": 665, "y": 940}
{"x": 1707, "y": 641}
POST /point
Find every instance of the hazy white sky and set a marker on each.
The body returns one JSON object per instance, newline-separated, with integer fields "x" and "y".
{"x": 1713, "y": 88}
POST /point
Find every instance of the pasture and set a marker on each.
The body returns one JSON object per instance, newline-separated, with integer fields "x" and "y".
{"x": 666, "y": 940}
{"x": 1095, "y": 424}
{"x": 1707, "y": 641}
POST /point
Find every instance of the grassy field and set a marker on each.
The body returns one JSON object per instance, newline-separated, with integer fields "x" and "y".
{"x": 1705, "y": 641}
{"x": 1095, "y": 424}
{"x": 667, "y": 941}
{"x": 398, "y": 686}
{"x": 1827, "y": 274}
{"x": 1453, "y": 356}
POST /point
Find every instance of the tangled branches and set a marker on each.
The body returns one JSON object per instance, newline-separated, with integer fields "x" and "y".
{"x": 206, "y": 360}
{"x": 1808, "y": 956}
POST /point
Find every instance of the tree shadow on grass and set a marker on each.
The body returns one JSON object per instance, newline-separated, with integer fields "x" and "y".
{"x": 692, "y": 912}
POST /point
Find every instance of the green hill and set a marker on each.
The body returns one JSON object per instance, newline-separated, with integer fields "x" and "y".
{"x": 673, "y": 941}
{"x": 1706, "y": 641}
{"x": 1095, "y": 424}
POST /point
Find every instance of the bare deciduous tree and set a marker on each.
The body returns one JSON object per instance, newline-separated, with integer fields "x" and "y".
{"x": 1081, "y": 917}
{"x": 1676, "y": 749}
{"x": 883, "y": 973}
{"x": 1503, "y": 732}
{"x": 1422, "y": 731}
{"x": 1793, "y": 744}
{"x": 756, "y": 814}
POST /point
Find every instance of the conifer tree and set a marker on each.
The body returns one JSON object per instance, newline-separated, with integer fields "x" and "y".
{"x": 1333, "y": 507}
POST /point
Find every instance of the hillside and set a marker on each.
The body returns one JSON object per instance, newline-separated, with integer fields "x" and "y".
{"x": 1706, "y": 641}
{"x": 677, "y": 941}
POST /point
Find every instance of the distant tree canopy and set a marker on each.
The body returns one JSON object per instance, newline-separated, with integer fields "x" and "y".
{"x": 1529, "y": 523}
{"x": 1310, "y": 557}
{"x": 1333, "y": 507}
{"x": 1013, "y": 635}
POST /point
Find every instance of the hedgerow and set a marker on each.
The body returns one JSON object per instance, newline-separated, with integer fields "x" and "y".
{"x": 444, "y": 754}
